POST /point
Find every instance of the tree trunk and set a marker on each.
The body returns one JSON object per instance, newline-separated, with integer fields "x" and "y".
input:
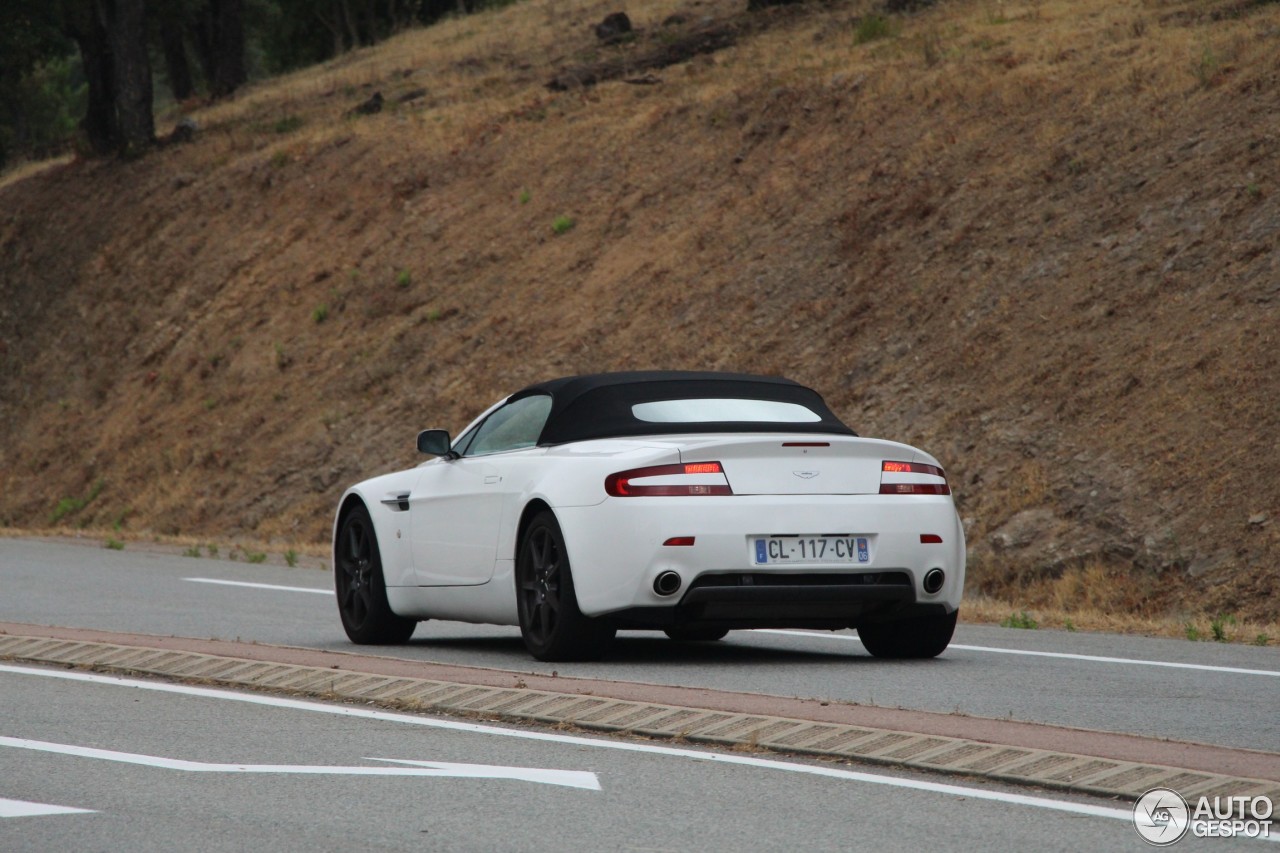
{"x": 175, "y": 59}
{"x": 349, "y": 21}
{"x": 397, "y": 15}
{"x": 229, "y": 71}
{"x": 369, "y": 20}
{"x": 124, "y": 21}
{"x": 219, "y": 38}
{"x": 99, "y": 123}
{"x": 335, "y": 30}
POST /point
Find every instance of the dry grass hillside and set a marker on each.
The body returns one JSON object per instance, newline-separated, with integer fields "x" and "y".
{"x": 1037, "y": 238}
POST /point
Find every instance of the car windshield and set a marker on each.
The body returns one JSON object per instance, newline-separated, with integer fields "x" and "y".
{"x": 512, "y": 427}
{"x": 713, "y": 409}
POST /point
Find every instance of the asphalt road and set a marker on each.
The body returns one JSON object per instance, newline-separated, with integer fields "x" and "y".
{"x": 1226, "y": 695}
{"x": 151, "y": 766}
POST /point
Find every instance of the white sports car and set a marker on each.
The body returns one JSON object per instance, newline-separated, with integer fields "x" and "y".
{"x": 691, "y": 503}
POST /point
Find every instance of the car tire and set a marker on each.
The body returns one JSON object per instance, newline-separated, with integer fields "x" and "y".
{"x": 915, "y": 637}
{"x": 695, "y": 634}
{"x": 553, "y": 627}
{"x": 361, "y": 589}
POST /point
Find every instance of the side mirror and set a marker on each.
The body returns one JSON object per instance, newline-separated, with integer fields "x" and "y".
{"x": 435, "y": 442}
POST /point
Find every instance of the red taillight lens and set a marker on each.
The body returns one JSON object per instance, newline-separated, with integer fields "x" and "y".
{"x": 914, "y": 489}
{"x": 689, "y": 478}
{"x": 912, "y": 478}
{"x": 911, "y": 468}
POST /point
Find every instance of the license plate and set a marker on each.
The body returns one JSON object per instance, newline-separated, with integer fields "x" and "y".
{"x": 798, "y": 550}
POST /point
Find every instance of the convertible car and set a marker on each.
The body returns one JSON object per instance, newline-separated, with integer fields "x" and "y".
{"x": 683, "y": 502}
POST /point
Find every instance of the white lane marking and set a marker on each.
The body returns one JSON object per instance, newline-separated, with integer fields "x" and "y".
{"x": 565, "y": 778}
{"x": 854, "y": 639}
{"x": 622, "y": 746}
{"x": 21, "y": 808}
{"x": 261, "y": 586}
{"x": 1091, "y": 658}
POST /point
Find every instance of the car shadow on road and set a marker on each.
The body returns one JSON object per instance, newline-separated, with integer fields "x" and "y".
{"x": 639, "y": 649}
{"x": 655, "y": 648}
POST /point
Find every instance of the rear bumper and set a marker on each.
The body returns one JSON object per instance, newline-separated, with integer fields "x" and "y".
{"x": 616, "y": 550}
{"x": 781, "y": 605}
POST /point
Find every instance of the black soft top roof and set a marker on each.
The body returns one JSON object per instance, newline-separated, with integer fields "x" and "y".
{"x": 599, "y": 405}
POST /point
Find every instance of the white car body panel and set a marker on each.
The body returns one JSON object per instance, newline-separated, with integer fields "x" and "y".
{"x": 451, "y": 553}
{"x": 455, "y": 512}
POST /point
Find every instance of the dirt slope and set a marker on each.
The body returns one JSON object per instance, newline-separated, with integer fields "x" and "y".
{"x": 1038, "y": 239}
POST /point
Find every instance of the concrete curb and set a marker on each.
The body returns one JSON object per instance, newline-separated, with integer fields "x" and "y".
{"x": 934, "y": 753}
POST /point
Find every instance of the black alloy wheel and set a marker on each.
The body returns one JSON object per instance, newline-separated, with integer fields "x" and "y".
{"x": 915, "y": 637}
{"x": 362, "y": 592}
{"x": 553, "y": 627}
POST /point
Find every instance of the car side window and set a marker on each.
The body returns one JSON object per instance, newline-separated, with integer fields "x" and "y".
{"x": 517, "y": 424}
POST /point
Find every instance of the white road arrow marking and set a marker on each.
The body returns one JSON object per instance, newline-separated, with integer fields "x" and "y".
{"x": 21, "y": 808}
{"x": 565, "y": 778}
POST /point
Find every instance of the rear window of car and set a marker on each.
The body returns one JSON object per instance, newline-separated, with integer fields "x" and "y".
{"x": 723, "y": 409}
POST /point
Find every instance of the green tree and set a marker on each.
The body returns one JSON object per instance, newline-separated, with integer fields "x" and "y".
{"x": 30, "y": 37}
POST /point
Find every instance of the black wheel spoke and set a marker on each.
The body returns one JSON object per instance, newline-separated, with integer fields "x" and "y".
{"x": 361, "y": 592}
{"x": 544, "y": 558}
{"x": 552, "y": 625}
{"x": 354, "y": 543}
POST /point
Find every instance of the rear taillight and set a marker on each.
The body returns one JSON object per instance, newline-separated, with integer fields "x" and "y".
{"x": 689, "y": 478}
{"x": 912, "y": 478}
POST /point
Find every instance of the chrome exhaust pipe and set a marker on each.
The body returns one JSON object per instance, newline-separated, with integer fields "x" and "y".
{"x": 933, "y": 580}
{"x": 666, "y": 583}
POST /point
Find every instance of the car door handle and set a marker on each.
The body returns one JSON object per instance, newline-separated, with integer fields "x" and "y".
{"x": 490, "y": 479}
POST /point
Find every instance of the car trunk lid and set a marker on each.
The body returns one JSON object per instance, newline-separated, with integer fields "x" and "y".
{"x": 802, "y": 464}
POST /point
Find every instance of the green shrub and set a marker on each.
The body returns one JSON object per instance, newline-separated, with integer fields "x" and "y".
{"x": 1021, "y": 619}
{"x": 287, "y": 124}
{"x": 872, "y": 28}
{"x": 69, "y": 506}
{"x": 40, "y": 111}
